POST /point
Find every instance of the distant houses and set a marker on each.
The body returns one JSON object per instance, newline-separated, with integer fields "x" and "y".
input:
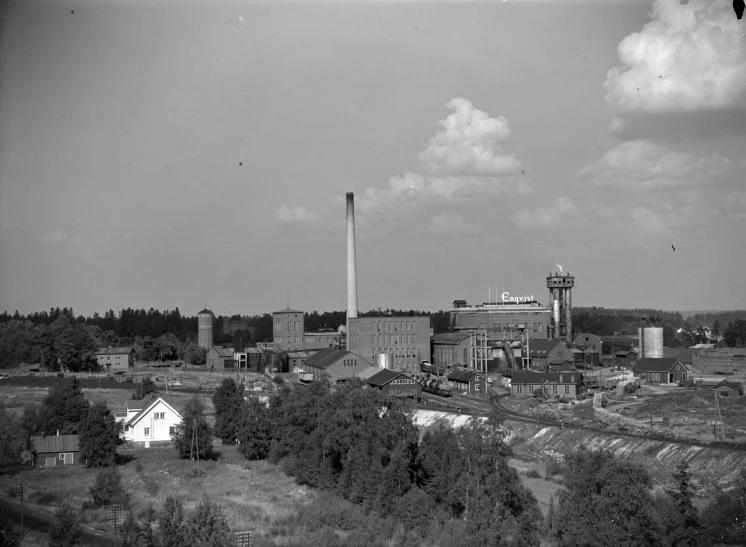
{"x": 660, "y": 370}
{"x": 151, "y": 420}
{"x": 115, "y": 359}
{"x": 560, "y": 384}
{"x": 55, "y": 450}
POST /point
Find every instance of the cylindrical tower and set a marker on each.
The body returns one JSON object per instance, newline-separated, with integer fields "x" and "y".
{"x": 653, "y": 342}
{"x": 204, "y": 329}
{"x": 385, "y": 360}
{"x": 351, "y": 264}
{"x": 568, "y": 317}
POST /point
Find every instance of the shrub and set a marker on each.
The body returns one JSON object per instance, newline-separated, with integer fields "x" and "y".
{"x": 151, "y": 485}
{"x": 66, "y": 531}
{"x": 138, "y": 467}
{"x": 533, "y": 474}
{"x": 108, "y": 488}
{"x": 47, "y": 498}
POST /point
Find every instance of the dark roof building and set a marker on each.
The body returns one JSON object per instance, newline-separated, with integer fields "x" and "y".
{"x": 395, "y": 383}
{"x": 684, "y": 354}
{"x": 561, "y": 384}
{"x": 542, "y": 352}
{"x": 339, "y": 364}
{"x": 468, "y": 381}
{"x": 54, "y": 450}
{"x": 727, "y": 389}
{"x": 660, "y": 370}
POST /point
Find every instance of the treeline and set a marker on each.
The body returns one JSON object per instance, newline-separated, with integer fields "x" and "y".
{"x": 452, "y": 488}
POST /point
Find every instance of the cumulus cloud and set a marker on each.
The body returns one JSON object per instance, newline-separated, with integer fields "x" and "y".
{"x": 464, "y": 160}
{"x": 690, "y": 57}
{"x": 469, "y": 145}
{"x": 298, "y": 214}
{"x": 57, "y": 236}
{"x": 643, "y": 164}
{"x": 452, "y": 223}
{"x": 648, "y": 221}
{"x": 545, "y": 217}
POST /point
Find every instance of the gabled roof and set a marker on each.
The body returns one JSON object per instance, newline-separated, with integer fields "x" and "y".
{"x": 655, "y": 364}
{"x": 560, "y": 361}
{"x": 385, "y": 376}
{"x": 528, "y": 377}
{"x": 726, "y": 383}
{"x": 297, "y": 355}
{"x": 115, "y": 351}
{"x": 149, "y": 406}
{"x": 327, "y": 357}
{"x": 223, "y": 352}
{"x": 368, "y": 372}
{"x": 577, "y": 351}
{"x": 55, "y": 443}
{"x": 288, "y": 310}
{"x": 540, "y": 348}
{"x": 625, "y": 353}
{"x": 685, "y": 354}
{"x": 463, "y": 375}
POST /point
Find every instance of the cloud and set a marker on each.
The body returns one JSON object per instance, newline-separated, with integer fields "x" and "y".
{"x": 452, "y": 223}
{"x": 642, "y": 164}
{"x": 462, "y": 161}
{"x": 298, "y": 214}
{"x": 649, "y": 221}
{"x": 469, "y": 145}
{"x": 56, "y": 236}
{"x": 690, "y": 57}
{"x": 545, "y": 217}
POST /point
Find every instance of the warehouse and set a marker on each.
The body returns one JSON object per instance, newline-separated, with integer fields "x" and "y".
{"x": 468, "y": 381}
{"x": 501, "y": 320}
{"x": 396, "y": 384}
{"x": 559, "y": 384}
{"x": 338, "y": 364}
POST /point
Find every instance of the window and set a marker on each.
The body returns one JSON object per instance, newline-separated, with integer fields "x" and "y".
{"x": 171, "y": 430}
{"x": 290, "y": 325}
{"x": 518, "y": 389}
{"x": 567, "y": 389}
{"x": 68, "y": 458}
{"x": 554, "y": 389}
{"x": 160, "y": 415}
{"x": 296, "y": 339}
{"x": 290, "y": 339}
{"x": 147, "y": 432}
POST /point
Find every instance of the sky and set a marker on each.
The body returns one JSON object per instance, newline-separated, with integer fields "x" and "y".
{"x": 181, "y": 154}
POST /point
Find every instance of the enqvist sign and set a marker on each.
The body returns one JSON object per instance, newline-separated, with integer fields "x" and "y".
{"x": 508, "y": 298}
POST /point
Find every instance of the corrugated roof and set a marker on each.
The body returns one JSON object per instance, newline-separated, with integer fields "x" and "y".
{"x": 114, "y": 351}
{"x": 385, "y": 376}
{"x": 463, "y": 375}
{"x": 326, "y": 357}
{"x": 55, "y": 443}
{"x": 655, "y": 364}
{"x": 528, "y": 377}
{"x": 223, "y": 352}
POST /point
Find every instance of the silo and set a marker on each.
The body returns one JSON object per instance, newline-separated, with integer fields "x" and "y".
{"x": 653, "y": 342}
{"x": 385, "y": 360}
{"x": 204, "y": 329}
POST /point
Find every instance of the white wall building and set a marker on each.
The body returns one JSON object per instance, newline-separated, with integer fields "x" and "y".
{"x": 150, "y": 420}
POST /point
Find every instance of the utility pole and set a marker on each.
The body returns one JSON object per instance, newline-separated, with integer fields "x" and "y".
{"x": 720, "y": 417}
{"x": 21, "y": 490}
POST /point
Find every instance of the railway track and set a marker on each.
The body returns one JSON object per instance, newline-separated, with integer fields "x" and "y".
{"x": 480, "y": 407}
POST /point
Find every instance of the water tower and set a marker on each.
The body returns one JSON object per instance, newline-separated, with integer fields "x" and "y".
{"x": 204, "y": 329}
{"x": 560, "y": 292}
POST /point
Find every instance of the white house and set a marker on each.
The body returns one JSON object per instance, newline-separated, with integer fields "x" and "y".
{"x": 150, "y": 420}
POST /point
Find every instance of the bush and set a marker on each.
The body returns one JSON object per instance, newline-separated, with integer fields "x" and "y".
{"x": 554, "y": 468}
{"x": 66, "y": 531}
{"x": 151, "y": 485}
{"x": 108, "y": 488}
{"x": 533, "y": 474}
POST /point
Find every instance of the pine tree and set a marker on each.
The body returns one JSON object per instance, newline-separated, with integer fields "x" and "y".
{"x": 193, "y": 437}
{"x": 66, "y": 531}
{"x": 229, "y": 403}
{"x": 171, "y": 524}
{"x": 689, "y": 530}
{"x": 207, "y": 526}
{"x": 99, "y": 437}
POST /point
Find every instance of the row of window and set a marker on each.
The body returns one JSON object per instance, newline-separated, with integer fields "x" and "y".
{"x": 349, "y": 362}
{"x": 402, "y": 381}
{"x": 395, "y": 326}
{"x": 397, "y": 352}
{"x": 393, "y": 339}
{"x": 402, "y": 392}
{"x": 530, "y": 389}
{"x": 292, "y": 326}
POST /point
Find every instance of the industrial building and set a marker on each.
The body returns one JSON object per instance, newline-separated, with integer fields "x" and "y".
{"x": 500, "y": 320}
{"x": 560, "y": 293}
{"x": 543, "y": 352}
{"x": 660, "y": 370}
{"x": 288, "y": 329}
{"x": 468, "y": 381}
{"x": 559, "y": 384}
{"x": 405, "y": 338}
{"x": 204, "y": 329}
{"x": 322, "y": 339}
{"x": 220, "y": 358}
{"x": 396, "y": 384}
{"x": 725, "y": 360}
{"x": 338, "y": 364}
{"x": 454, "y": 349}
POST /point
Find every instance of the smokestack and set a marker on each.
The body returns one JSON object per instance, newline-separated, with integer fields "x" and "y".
{"x": 351, "y": 264}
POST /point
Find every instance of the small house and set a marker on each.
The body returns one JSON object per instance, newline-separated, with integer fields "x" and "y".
{"x": 561, "y": 365}
{"x": 115, "y": 359}
{"x": 625, "y": 358}
{"x": 153, "y": 422}
{"x": 54, "y": 450}
{"x": 220, "y": 358}
{"x": 395, "y": 384}
{"x": 660, "y": 370}
{"x": 541, "y": 352}
{"x": 729, "y": 389}
{"x": 559, "y": 384}
{"x": 468, "y": 381}
{"x": 296, "y": 358}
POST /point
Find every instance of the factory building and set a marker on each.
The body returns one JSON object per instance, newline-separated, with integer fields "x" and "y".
{"x": 405, "y": 338}
{"x": 288, "y": 329}
{"x": 460, "y": 349}
{"x": 502, "y": 320}
{"x": 324, "y": 338}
